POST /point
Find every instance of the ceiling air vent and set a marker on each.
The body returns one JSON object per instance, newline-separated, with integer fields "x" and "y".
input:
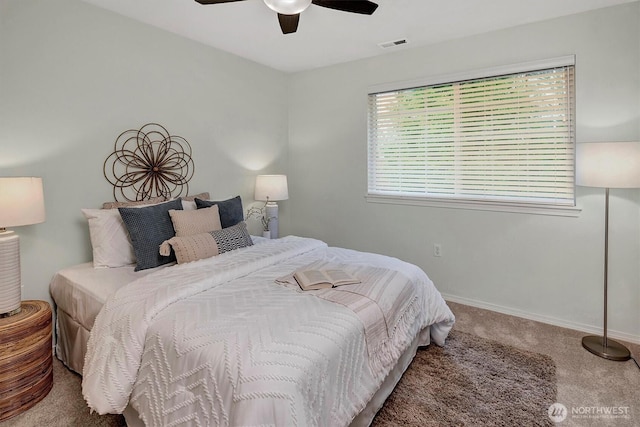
{"x": 394, "y": 43}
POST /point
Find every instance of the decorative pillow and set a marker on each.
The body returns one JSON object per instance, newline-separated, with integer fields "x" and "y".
{"x": 191, "y": 248}
{"x": 203, "y": 196}
{"x": 189, "y": 204}
{"x": 230, "y": 210}
{"x": 114, "y": 205}
{"x": 148, "y": 227}
{"x": 109, "y": 238}
{"x": 188, "y": 222}
{"x": 206, "y": 245}
{"x": 233, "y": 237}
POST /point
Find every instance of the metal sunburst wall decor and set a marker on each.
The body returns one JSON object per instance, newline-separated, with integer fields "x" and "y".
{"x": 149, "y": 162}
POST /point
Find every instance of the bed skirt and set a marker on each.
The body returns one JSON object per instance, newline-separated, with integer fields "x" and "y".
{"x": 71, "y": 341}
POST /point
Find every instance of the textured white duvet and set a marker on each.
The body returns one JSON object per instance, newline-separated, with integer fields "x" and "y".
{"x": 218, "y": 342}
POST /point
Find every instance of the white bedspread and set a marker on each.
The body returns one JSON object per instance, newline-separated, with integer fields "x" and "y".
{"x": 218, "y": 342}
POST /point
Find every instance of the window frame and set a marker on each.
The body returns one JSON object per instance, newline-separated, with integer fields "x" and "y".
{"x": 471, "y": 203}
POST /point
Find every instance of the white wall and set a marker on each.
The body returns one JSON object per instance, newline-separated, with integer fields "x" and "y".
{"x": 544, "y": 267}
{"x": 73, "y": 76}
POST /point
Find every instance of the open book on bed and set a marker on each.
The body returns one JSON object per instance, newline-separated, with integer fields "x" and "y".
{"x": 323, "y": 278}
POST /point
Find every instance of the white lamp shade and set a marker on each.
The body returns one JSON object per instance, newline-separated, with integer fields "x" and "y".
{"x": 608, "y": 164}
{"x": 271, "y": 188}
{"x": 21, "y": 201}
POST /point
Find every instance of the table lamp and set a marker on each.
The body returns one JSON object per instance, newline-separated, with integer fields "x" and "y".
{"x": 607, "y": 165}
{"x": 21, "y": 203}
{"x": 270, "y": 189}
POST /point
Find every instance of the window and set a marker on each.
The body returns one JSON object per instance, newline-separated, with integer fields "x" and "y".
{"x": 505, "y": 138}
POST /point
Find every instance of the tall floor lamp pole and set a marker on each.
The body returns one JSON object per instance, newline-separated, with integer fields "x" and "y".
{"x": 608, "y": 165}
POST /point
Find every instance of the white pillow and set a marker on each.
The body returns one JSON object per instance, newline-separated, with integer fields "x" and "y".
{"x": 109, "y": 238}
{"x": 189, "y": 202}
{"x": 189, "y": 205}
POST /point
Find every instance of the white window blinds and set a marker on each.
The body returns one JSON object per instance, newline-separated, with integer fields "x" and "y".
{"x": 506, "y": 138}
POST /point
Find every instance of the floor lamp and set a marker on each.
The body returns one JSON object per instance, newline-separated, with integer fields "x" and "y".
{"x": 270, "y": 189}
{"x": 21, "y": 203}
{"x": 607, "y": 165}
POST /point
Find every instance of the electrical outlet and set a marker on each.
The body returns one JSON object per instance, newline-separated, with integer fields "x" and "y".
{"x": 437, "y": 249}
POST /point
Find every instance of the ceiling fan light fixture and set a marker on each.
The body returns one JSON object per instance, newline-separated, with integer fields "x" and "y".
{"x": 288, "y": 7}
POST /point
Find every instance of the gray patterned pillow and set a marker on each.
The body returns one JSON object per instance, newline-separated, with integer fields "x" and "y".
{"x": 233, "y": 237}
{"x": 205, "y": 245}
{"x": 148, "y": 227}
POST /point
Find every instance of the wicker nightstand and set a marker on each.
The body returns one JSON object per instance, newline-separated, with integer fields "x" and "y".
{"x": 26, "y": 370}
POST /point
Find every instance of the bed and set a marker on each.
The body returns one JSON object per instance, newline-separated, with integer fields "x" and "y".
{"x": 221, "y": 342}
{"x": 183, "y": 318}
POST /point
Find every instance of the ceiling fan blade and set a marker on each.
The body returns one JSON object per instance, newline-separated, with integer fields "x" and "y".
{"x": 289, "y": 23}
{"x": 355, "y": 6}
{"x": 215, "y": 1}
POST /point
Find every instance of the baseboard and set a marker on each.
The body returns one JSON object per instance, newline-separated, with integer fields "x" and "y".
{"x": 543, "y": 319}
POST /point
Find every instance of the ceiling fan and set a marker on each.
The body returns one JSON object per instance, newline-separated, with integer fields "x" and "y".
{"x": 289, "y": 10}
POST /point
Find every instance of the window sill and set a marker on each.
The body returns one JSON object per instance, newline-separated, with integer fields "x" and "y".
{"x": 522, "y": 208}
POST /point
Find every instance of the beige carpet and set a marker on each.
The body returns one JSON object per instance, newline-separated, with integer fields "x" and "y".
{"x": 472, "y": 381}
{"x": 63, "y": 406}
{"x": 583, "y": 380}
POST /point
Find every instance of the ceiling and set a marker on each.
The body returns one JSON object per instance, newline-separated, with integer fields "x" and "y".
{"x": 325, "y": 37}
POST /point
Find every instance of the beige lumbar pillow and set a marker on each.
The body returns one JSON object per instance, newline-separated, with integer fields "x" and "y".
{"x": 206, "y": 245}
{"x": 191, "y": 248}
{"x": 188, "y": 223}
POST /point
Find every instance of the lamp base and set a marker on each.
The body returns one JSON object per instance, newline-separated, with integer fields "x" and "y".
{"x": 10, "y": 287}
{"x": 271, "y": 210}
{"x": 613, "y": 351}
